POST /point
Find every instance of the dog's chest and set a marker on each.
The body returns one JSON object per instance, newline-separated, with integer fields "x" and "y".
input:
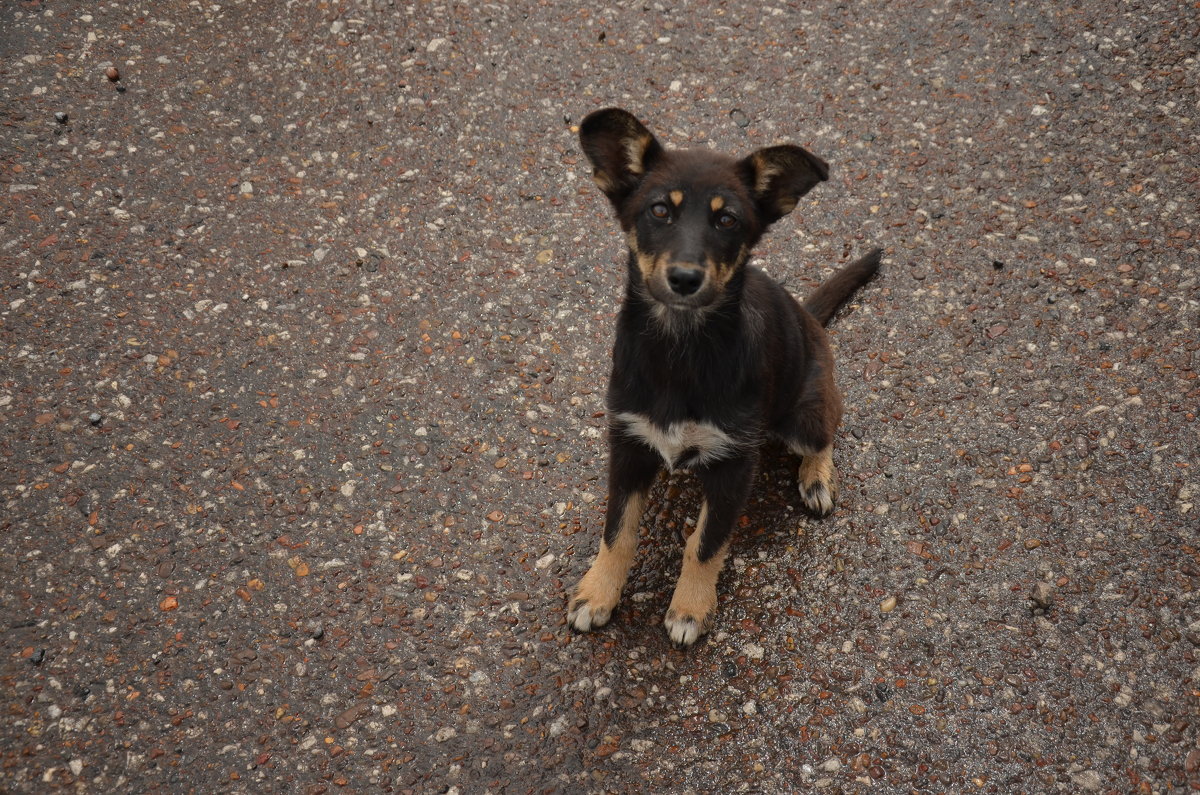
{"x": 681, "y": 444}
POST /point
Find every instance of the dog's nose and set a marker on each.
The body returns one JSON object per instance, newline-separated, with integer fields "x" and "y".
{"x": 684, "y": 281}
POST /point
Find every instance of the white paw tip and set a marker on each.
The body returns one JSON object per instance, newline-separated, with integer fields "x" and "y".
{"x": 817, "y": 498}
{"x": 683, "y": 632}
{"x": 583, "y": 617}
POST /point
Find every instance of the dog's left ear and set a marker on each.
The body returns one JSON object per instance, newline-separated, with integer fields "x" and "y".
{"x": 621, "y": 149}
{"x": 780, "y": 175}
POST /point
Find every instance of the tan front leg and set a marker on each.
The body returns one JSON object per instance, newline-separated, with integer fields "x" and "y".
{"x": 818, "y": 482}
{"x": 598, "y": 591}
{"x": 695, "y": 601}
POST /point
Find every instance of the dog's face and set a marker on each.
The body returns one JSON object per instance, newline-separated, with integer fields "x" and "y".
{"x": 691, "y": 217}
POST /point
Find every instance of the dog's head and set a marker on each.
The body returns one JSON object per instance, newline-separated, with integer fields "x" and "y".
{"x": 691, "y": 216}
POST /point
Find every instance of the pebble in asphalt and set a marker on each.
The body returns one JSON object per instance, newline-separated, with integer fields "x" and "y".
{"x": 305, "y": 327}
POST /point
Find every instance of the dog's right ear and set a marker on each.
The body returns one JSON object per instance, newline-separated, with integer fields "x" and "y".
{"x": 621, "y": 149}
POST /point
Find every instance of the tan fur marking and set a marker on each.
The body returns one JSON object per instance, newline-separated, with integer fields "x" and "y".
{"x": 695, "y": 600}
{"x": 722, "y": 272}
{"x": 676, "y": 197}
{"x": 817, "y": 466}
{"x": 645, "y": 262}
{"x": 600, "y": 589}
{"x": 786, "y": 205}
{"x": 602, "y": 181}
{"x": 647, "y": 265}
{"x": 635, "y": 153}
{"x": 765, "y": 171}
{"x": 817, "y": 470}
{"x": 716, "y": 203}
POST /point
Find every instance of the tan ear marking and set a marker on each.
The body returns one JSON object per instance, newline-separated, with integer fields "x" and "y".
{"x": 635, "y": 151}
{"x": 765, "y": 171}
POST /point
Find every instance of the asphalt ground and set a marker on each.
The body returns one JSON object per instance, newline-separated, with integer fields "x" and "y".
{"x": 304, "y": 337}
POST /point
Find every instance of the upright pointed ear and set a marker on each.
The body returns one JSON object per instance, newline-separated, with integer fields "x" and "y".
{"x": 621, "y": 149}
{"x": 780, "y": 175}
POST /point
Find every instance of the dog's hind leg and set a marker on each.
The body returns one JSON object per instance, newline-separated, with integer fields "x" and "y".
{"x": 632, "y": 469}
{"x": 818, "y": 481}
{"x": 726, "y": 486}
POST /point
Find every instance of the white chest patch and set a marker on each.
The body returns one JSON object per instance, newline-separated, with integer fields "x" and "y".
{"x": 700, "y": 441}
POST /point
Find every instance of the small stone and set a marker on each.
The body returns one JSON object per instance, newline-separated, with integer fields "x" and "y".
{"x": 348, "y": 717}
{"x": 112, "y": 74}
{"x": 887, "y": 605}
{"x": 739, "y": 118}
{"x": 1032, "y": 543}
{"x": 1088, "y": 780}
{"x": 168, "y": 604}
{"x": 38, "y": 657}
{"x": 61, "y": 117}
{"x": 1042, "y": 595}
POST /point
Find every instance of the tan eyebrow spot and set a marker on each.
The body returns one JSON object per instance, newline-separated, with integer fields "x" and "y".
{"x": 676, "y": 197}
{"x": 716, "y": 203}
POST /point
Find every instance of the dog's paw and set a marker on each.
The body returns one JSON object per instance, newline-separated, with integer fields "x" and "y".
{"x": 685, "y": 629}
{"x": 582, "y": 616}
{"x": 818, "y": 497}
{"x": 818, "y": 483}
{"x": 592, "y": 605}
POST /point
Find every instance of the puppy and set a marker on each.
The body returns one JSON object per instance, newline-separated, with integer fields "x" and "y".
{"x": 712, "y": 357}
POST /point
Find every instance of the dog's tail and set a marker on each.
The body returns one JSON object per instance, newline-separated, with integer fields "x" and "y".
{"x": 830, "y": 295}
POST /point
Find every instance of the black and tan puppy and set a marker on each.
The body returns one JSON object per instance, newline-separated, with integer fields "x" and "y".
{"x": 712, "y": 357}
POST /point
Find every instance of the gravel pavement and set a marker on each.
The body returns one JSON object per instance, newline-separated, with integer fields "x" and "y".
{"x": 304, "y": 332}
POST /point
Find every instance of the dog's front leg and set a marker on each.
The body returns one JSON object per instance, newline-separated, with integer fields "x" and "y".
{"x": 726, "y": 486}
{"x": 632, "y": 469}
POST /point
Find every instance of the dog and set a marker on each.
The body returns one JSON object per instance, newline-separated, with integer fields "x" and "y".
{"x": 712, "y": 357}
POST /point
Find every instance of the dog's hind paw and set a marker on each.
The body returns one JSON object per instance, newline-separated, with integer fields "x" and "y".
{"x": 818, "y": 482}
{"x": 818, "y": 498}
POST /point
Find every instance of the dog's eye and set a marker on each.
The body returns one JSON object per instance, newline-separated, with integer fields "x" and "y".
{"x": 660, "y": 210}
{"x": 727, "y": 221}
